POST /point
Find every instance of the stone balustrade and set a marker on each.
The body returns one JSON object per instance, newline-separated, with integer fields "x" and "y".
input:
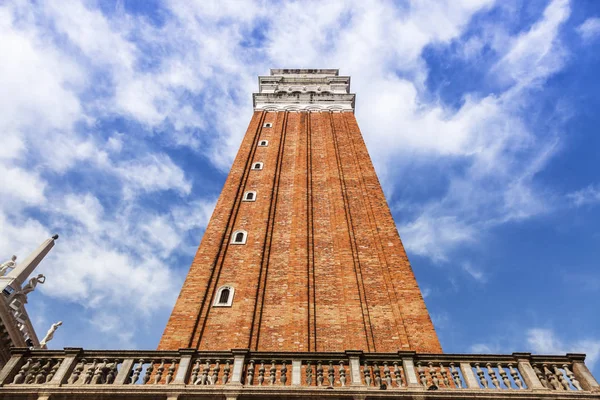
{"x": 78, "y": 373}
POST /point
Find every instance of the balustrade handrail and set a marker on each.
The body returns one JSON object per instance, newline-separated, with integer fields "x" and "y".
{"x": 397, "y": 371}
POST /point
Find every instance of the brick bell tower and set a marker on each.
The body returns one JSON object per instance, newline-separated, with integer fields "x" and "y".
{"x": 301, "y": 253}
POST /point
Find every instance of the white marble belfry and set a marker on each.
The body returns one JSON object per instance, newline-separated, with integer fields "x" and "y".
{"x": 304, "y": 90}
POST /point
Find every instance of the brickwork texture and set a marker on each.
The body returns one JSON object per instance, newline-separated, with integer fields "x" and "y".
{"x": 323, "y": 268}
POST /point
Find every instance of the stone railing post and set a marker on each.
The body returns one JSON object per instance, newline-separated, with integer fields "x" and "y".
{"x": 296, "y": 372}
{"x": 582, "y": 373}
{"x": 354, "y": 364}
{"x": 185, "y": 362}
{"x": 124, "y": 371}
{"x": 469, "y": 376}
{"x": 13, "y": 363}
{"x": 66, "y": 366}
{"x": 409, "y": 369}
{"x": 239, "y": 359}
{"x": 527, "y": 372}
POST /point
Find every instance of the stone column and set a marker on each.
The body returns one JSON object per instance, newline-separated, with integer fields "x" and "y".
{"x": 124, "y": 371}
{"x": 239, "y": 359}
{"x": 185, "y": 361}
{"x": 527, "y": 372}
{"x": 468, "y": 375}
{"x": 13, "y": 364}
{"x": 582, "y": 373}
{"x": 296, "y": 372}
{"x": 409, "y": 368}
{"x": 67, "y": 365}
{"x": 354, "y": 364}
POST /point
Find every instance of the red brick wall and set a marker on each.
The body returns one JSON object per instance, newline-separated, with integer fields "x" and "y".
{"x": 323, "y": 268}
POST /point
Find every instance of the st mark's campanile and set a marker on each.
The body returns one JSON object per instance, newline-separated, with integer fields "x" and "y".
{"x": 301, "y": 253}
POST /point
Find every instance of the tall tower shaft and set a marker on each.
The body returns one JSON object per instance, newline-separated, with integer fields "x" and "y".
{"x": 301, "y": 252}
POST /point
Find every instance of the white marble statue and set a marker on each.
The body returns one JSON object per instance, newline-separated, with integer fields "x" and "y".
{"x": 33, "y": 282}
{"x": 8, "y": 264}
{"x": 50, "y": 334}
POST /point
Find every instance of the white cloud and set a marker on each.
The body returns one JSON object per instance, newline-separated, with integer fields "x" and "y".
{"x": 431, "y": 236}
{"x": 19, "y": 187}
{"x": 587, "y": 195}
{"x": 151, "y": 173}
{"x": 536, "y": 54}
{"x": 474, "y": 272}
{"x": 545, "y": 341}
{"x": 589, "y": 29}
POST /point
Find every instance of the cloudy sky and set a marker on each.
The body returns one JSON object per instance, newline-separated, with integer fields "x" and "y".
{"x": 119, "y": 122}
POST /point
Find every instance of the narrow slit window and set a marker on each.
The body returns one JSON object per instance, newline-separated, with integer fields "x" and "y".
{"x": 250, "y": 196}
{"x": 263, "y": 143}
{"x": 239, "y": 237}
{"x": 224, "y": 297}
{"x": 257, "y": 165}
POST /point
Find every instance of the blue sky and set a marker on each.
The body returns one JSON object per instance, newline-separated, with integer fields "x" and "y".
{"x": 121, "y": 119}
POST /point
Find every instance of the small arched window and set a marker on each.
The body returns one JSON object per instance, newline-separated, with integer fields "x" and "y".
{"x": 224, "y": 297}
{"x": 268, "y": 125}
{"x": 250, "y": 196}
{"x": 239, "y": 237}
{"x": 257, "y": 166}
{"x": 263, "y": 143}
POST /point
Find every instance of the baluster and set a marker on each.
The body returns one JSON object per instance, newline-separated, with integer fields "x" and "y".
{"x": 107, "y": 371}
{"x": 319, "y": 374}
{"x": 261, "y": 373}
{"x": 342, "y": 372}
{"x": 377, "y": 375}
{"x": 195, "y": 372}
{"x": 170, "y": 372}
{"x": 455, "y": 376}
{"x": 77, "y": 371}
{"x": 492, "y": 375}
{"x": 481, "y": 376}
{"x": 504, "y": 376}
{"x": 397, "y": 374}
{"x": 149, "y": 371}
{"x": 30, "y": 378}
{"x": 97, "y": 377}
{"x": 571, "y": 377}
{"x": 23, "y": 371}
{"x": 444, "y": 376}
{"x": 111, "y": 372}
{"x": 89, "y": 373}
{"x": 421, "y": 373}
{"x": 43, "y": 371}
{"x": 367, "y": 373}
{"x": 283, "y": 377}
{"x": 561, "y": 377}
{"x": 387, "y": 374}
{"x": 433, "y": 374}
{"x": 137, "y": 371}
{"x": 215, "y": 374}
{"x": 226, "y": 370}
{"x": 250, "y": 373}
{"x": 515, "y": 375}
{"x": 308, "y": 374}
{"x": 541, "y": 376}
{"x": 551, "y": 378}
{"x": 272, "y": 373}
{"x": 331, "y": 374}
{"x": 159, "y": 372}
{"x": 205, "y": 371}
